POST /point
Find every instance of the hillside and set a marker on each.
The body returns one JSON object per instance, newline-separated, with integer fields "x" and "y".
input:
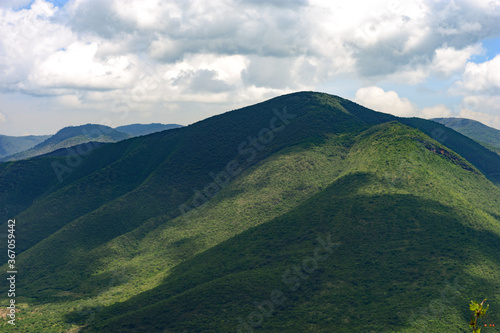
{"x": 145, "y": 129}
{"x": 345, "y": 219}
{"x": 68, "y": 137}
{"x": 362, "y": 285}
{"x": 488, "y": 136}
{"x": 10, "y": 145}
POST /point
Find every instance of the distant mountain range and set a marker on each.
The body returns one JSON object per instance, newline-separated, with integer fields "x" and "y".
{"x": 303, "y": 213}
{"x": 73, "y": 136}
{"x": 487, "y": 136}
{"x": 10, "y": 145}
{"x": 141, "y": 129}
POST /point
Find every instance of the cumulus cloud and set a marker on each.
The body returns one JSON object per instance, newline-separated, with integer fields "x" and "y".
{"x": 27, "y": 37}
{"x": 406, "y": 37}
{"x": 78, "y": 68}
{"x": 480, "y": 88}
{"x": 482, "y": 78}
{"x": 437, "y": 111}
{"x": 150, "y": 54}
{"x": 3, "y": 118}
{"x": 386, "y": 39}
{"x": 485, "y": 118}
{"x": 269, "y": 72}
{"x": 448, "y": 60}
{"x": 203, "y": 80}
{"x": 388, "y": 102}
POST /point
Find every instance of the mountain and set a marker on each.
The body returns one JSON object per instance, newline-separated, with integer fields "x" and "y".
{"x": 71, "y": 136}
{"x": 303, "y": 213}
{"x": 487, "y": 136}
{"x": 145, "y": 129}
{"x": 10, "y": 145}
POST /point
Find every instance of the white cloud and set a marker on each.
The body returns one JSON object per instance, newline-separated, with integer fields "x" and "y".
{"x": 27, "y": 37}
{"x": 448, "y": 60}
{"x": 151, "y": 54}
{"x": 388, "y": 102}
{"x": 485, "y": 118}
{"x": 482, "y": 78}
{"x": 381, "y": 39}
{"x": 490, "y": 103}
{"x": 480, "y": 88}
{"x": 78, "y": 68}
{"x": 3, "y": 118}
{"x": 437, "y": 111}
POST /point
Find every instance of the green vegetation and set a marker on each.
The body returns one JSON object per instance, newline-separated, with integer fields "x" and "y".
{"x": 342, "y": 219}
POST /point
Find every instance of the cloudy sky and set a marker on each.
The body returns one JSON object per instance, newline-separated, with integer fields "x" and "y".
{"x": 117, "y": 62}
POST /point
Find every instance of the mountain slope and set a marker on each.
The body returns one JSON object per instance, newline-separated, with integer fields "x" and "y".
{"x": 376, "y": 220}
{"x": 486, "y": 135}
{"x": 145, "y": 129}
{"x": 188, "y": 228}
{"x": 10, "y": 145}
{"x": 71, "y": 136}
{"x": 426, "y": 216}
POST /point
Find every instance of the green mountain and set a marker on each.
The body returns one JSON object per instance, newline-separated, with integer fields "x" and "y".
{"x": 145, "y": 129}
{"x": 71, "y": 136}
{"x": 304, "y": 213}
{"x": 487, "y": 136}
{"x": 10, "y": 145}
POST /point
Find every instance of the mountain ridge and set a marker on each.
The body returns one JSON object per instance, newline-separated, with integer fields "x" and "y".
{"x": 71, "y": 138}
{"x": 486, "y": 135}
{"x": 10, "y": 145}
{"x": 145, "y": 129}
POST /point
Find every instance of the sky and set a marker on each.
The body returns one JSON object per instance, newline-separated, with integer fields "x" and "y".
{"x": 117, "y": 62}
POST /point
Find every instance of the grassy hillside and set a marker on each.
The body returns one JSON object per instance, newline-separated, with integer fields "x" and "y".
{"x": 10, "y": 145}
{"x": 145, "y": 129}
{"x": 184, "y": 230}
{"x": 69, "y": 137}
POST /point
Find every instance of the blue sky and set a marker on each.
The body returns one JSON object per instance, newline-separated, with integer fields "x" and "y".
{"x": 491, "y": 48}
{"x": 20, "y": 5}
{"x": 115, "y": 62}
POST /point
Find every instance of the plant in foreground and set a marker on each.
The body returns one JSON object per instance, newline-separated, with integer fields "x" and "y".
{"x": 478, "y": 311}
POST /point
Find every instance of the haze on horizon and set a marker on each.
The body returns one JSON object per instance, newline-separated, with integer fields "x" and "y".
{"x": 118, "y": 62}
